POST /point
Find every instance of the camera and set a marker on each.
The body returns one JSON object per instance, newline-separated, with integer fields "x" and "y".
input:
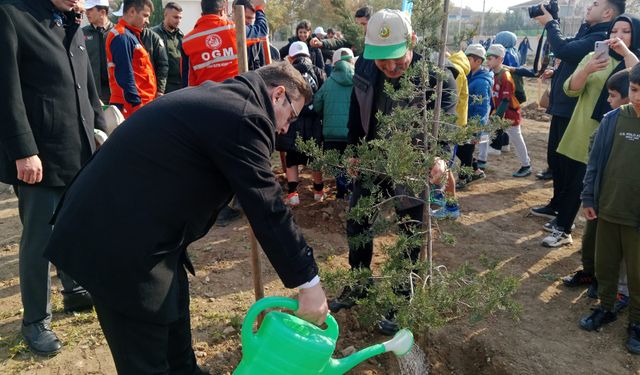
{"x": 552, "y": 7}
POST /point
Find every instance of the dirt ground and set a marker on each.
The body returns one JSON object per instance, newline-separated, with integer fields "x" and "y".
{"x": 495, "y": 223}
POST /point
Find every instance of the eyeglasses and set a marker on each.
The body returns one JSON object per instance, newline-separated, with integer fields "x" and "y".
{"x": 296, "y": 114}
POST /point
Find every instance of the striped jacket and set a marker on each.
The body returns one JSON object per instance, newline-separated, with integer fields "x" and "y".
{"x": 131, "y": 76}
{"x": 211, "y": 50}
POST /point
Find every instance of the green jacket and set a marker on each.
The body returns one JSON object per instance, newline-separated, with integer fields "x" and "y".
{"x": 332, "y": 102}
{"x": 156, "y": 49}
{"x": 94, "y": 40}
{"x": 173, "y": 44}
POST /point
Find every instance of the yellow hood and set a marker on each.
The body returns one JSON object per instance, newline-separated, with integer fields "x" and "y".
{"x": 461, "y": 63}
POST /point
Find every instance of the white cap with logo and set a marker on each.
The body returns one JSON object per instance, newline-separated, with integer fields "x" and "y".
{"x": 388, "y": 35}
{"x": 95, "y": 3}
{"x": 298, "y": 48}
{"x": 319, "y": 31}
{"x": 342, "y": 54}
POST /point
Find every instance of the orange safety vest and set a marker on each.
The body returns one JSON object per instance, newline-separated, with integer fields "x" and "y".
{"x": 144, "y": 85}
{"x": 211, "y": 48}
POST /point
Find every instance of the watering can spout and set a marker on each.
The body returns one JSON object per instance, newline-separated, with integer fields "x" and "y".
{"x": 400, "y": 345}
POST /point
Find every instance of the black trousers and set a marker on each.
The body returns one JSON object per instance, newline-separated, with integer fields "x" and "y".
{"x": 571, "y": 173}
{"x": 556, "y": 132}
{"x": 36, "y": 205}
{"x": 360, "y": 236}
{"x": 140, "y": 347}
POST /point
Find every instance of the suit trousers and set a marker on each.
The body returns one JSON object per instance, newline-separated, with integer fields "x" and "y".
{"x": 36, "y": 205}
{"x": 360, "y": 236}
{"x": 140, "y": 347}
{"x": 556, "y": 131}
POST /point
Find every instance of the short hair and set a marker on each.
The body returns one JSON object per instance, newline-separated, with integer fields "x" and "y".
{"x": 247, "y": 4}
{"x": 304, "y": 24}
{"x": 619, "y": 82}
{"x": 174, "y": 6}
{"x": 137, "y": 4}
{"x": 284, "y": 74}
{"x": 634, "y": 75}
{"x": 475, "y": 57}
{"x": 211, "y": 6}
{"x": 331, "y": 31}
{"x": 101, "y": 7}
{"x": 619, "y": 6}
{"x": 364, "y": 12}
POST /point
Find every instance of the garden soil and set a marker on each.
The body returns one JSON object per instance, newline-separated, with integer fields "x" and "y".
{"x": 495, "y": 224}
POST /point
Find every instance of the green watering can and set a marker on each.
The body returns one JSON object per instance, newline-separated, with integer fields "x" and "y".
{"x": 288, "y": 345}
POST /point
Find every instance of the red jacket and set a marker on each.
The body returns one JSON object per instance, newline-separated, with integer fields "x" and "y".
{"x": 132, "y": 79}
{"x": 211, "y": 50}
{"x": 505, "y": 89}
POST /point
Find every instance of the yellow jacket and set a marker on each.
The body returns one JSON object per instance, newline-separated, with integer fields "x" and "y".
{"x": 461, "y": 64}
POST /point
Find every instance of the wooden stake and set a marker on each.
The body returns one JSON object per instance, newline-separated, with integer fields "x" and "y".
{"x": 243, "y": 66}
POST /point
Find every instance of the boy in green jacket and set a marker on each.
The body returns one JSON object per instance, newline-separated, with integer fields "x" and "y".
{"x": 332, "y": 103}
{"x": 611, "y": 186}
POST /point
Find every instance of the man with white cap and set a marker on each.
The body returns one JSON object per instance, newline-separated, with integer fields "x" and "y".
{"x": 95, "y": 36}
{"x": 388, "y": 53}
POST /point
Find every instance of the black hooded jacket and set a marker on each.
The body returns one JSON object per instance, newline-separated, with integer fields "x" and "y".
{"x": 570, "y": 51}
{"x": 314, "y": 53}
{"x": 308, "y": 126}
{"x": 602, "y": 105}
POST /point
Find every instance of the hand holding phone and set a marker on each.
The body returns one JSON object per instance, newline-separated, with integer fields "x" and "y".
{"x": 601, "y": 49}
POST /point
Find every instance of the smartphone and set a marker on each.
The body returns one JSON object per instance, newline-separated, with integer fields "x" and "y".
{"x": 600, "y": 49}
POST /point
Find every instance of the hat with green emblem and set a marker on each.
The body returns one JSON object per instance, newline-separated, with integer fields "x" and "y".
{"x": 388, "y": 35}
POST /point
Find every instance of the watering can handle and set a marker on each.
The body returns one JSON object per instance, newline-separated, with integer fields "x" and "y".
{"x": 270, "y": 303}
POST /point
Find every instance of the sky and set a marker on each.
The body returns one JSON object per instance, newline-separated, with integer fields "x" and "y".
{"x": 497, "y": 5}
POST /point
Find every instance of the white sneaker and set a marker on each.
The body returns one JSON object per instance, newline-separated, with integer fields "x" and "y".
{"x": 556, "y": 239}
{"x": 319, "y": 196}
{"x": 493, "y": 151}
{"x": 506, "y": 148}
{"x": 292, "y": 200}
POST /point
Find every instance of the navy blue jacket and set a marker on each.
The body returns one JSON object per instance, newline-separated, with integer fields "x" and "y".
{"x": 570, "y": 51}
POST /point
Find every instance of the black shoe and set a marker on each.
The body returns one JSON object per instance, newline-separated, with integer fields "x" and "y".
{"x": 592, "y": 292}
{"x": 463, "y": 182}
{"x": 579, "y": 278}
{"x": 227, "y": 215}
{"x": 40, "y": 339}
{"x": 77, "y": 301}
{"x": 633, "y": 342}
{"x": 347, "y": 298}
{"x": 544, "y": 211}
{"x": 544, "y": 175}
{"x": 597, "y": 319}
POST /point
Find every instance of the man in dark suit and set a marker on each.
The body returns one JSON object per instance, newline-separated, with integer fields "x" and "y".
{"x": 119, "y": 234}
{"x": 48, "y": 110}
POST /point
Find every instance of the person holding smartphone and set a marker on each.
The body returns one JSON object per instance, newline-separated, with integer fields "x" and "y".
{"x": 587, "y": 83}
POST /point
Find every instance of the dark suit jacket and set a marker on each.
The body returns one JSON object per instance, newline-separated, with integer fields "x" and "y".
{"x": 157, "y": 185}
{"x": 48, "y": 100}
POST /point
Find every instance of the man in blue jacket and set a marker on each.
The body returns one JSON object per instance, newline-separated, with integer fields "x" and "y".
{"x": 570, "y": 51}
